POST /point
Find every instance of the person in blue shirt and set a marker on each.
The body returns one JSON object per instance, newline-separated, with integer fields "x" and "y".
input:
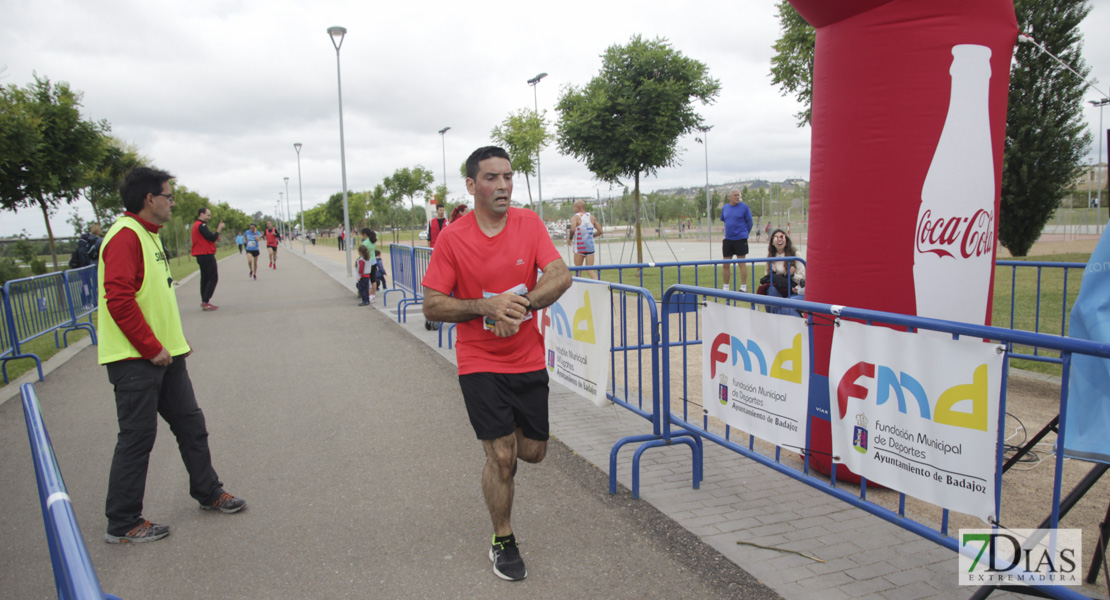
{"x": 239, "y": 240}
{"x": 738, "y": 223}
{"x": 251, "y": 238}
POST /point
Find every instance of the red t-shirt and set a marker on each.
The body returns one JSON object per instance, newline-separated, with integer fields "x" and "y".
{"x": 467, "y": 263}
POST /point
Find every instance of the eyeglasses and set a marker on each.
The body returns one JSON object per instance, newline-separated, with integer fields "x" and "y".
{"x": 166, "y": 196}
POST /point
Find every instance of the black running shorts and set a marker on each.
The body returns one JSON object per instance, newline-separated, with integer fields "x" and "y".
{"x": 252, "y": 252}
{"x": 498, "y": 403}
{"x": 730, "y": 248}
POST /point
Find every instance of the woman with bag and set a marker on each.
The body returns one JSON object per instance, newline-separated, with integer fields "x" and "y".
{"x": 786, "y": 278}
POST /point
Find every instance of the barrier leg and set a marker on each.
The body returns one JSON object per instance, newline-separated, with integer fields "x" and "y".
{"x": 613, "y": 458}
{"x": 639, "y": 451}
{"x": 4, "y": 364}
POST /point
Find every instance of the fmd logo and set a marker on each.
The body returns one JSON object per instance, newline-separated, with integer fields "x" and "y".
{"x": 885, "y": 381}
{"x": 731, "y": 349}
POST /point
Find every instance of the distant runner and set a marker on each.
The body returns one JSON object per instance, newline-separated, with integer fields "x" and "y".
{"x": 252, "y": 236}
{"x": 272, "y": 237}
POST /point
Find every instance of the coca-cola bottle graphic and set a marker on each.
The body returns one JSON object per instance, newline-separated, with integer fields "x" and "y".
{"x": 954, "y": 238}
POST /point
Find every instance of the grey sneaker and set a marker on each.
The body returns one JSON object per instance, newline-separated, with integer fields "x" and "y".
{"x": 143, "y": 532}
{"x": 507, "y": 563}
{"x": 226, "y": 503}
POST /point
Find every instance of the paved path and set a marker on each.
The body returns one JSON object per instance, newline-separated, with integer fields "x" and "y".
{"x": 351, "y": 445}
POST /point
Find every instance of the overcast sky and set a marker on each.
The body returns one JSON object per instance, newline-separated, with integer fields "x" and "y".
{"x": 217, "y": 91}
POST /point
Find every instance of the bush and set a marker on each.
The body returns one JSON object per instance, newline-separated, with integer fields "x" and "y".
{"x": 9, "y": 270}
{"x": 38, "y": 267}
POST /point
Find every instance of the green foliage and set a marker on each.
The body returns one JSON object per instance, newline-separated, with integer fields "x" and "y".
{"x": 523, "y": 134}
{"x": 9, "y": 270}
{"x": 116, "y": 158}
{"x": 626, "y": 121}
{"x": 46, "y": 149}
{"x": 792, "y": 64}
{"x": 407, "y": 183}
{"x": 1045, "y": 131}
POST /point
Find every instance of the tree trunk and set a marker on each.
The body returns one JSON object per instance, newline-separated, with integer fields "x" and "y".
{"x": 49, "y": 231}
{"x": 528, "y": 183}
{"x": 639, "y": 237}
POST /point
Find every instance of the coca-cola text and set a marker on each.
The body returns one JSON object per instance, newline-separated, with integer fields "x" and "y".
{"x": 944, "y": 236}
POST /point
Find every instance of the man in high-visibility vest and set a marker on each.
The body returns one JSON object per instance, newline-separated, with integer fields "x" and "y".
{"x": 143, "y": 347}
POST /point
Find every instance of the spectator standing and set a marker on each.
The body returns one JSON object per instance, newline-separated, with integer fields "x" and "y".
{"x": 436, "y": 225}
{"x": 378, "y": 275}
{"x": 143, "y": 347}
{"x": 364, "y": 272}
{"x": 342, "y": 238}
{"x": 240, "y": 241}
{"x": 204, "y": 249}
{"x": 459, "y": 211}
{"x": 738, "y": 223}
{"x": 482, "y": 275}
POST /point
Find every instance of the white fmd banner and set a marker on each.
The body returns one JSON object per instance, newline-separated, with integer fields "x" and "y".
{"x": 917, "y": 413}
{"x": 755, "y": 372}
{"x": 577, "y": 333}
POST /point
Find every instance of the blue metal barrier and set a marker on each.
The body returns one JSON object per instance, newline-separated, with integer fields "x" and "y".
{"x": 420, "y": 259}
{"x": 35, "y": 306}
{"x": 1048, "y": 275}
{"x": 403, "y": 269}
{"x": 818, "y": 314}
{"x": 74, "y": 576}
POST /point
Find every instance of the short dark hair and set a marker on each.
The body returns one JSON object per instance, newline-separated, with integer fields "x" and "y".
{"x": 137, "y": 183}
{"x": 482, "y": 154}
{"x": 201, "y": 210}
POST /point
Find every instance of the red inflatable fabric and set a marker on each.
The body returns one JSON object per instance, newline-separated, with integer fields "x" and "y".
{"x": 909, "y": 121}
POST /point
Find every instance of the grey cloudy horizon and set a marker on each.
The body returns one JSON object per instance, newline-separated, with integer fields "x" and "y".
{"x": 217, "y": 92}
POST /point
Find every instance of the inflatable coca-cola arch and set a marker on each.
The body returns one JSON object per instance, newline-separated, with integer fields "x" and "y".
{"x": 909, "y": 121}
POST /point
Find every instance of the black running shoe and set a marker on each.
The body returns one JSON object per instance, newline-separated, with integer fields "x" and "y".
{"x": 226, "y": 503}
{"x": 143, "y": 532}
{"x": 507, "y": 563}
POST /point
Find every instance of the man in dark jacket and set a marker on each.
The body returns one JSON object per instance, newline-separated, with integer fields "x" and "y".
{"x": 204, "y": 248}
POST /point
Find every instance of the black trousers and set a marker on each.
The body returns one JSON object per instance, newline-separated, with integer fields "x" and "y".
{"x": 144, "y": 391}
{"x": 209, "y": 275}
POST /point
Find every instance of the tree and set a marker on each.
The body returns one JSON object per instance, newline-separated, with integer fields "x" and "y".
{"x": 407, "y": 183}
{"x": 792, "y": 64}
{"x": 102, "y": 191}
{"x": 523, "y": 134}
{"x": 1045, "y": 137}
{"x": 627, "y": 120}
{"x": 46, "y": 149}
{"x": 1045, "y": 132}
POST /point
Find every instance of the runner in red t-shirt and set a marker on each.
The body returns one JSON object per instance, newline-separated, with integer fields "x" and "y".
{"x": 482, "y": 276}
{"x": 272, "y": 237}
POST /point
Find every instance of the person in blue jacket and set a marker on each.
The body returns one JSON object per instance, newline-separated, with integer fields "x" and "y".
{"x": 738, "y": 224}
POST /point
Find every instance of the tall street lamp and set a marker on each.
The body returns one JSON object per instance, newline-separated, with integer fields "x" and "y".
{"x": 288, "y": 213}
{"x": 535, "y": 99}
{"x": 708, "y": 219}
{"x": 337, "y": 34}
{"x": 1101, "y": 133}
{"x": 300, "y": 192}
{"x": 443, "y": 139}
{"x": 280, "y": 217}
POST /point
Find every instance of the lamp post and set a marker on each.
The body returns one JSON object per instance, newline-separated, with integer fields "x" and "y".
{"x": 708, "y": 220}
{"x": 300, "y": 192}
{"x": 288, "y": 213}
{"x": 535, "y": 99}
{"x": 443, "y": 139}
{"x": 280, "y": 218}
{"x": 337, "y": 34}
{"x": 1098, "y": 164}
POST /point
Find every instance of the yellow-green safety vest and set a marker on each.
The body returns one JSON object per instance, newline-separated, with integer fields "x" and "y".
{"x": 156, "y": 299}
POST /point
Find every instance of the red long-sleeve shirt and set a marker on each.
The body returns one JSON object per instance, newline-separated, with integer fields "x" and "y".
{"x": 123, "y": 276}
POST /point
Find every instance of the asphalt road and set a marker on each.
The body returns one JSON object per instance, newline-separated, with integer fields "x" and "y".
{"x": 349, "y": 440}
